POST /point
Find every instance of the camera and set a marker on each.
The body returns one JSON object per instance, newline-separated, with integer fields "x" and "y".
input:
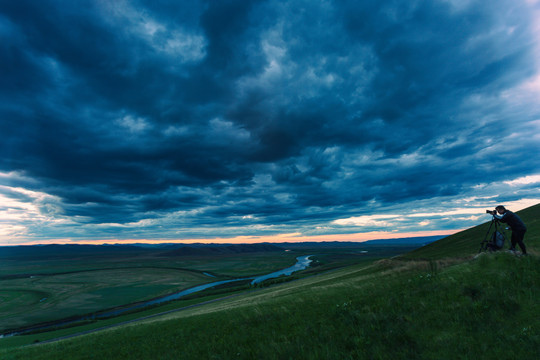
{"x": 490, "y": 212}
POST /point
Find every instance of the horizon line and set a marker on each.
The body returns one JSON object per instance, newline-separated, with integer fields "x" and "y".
{"x": 281, "y": 238}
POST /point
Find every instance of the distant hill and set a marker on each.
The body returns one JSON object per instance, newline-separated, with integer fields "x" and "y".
{"x": 410, "y": 241}
{"x": 467, "y": 243}
{"x": 222, "y": 250}
{"x": 57, "y": 250}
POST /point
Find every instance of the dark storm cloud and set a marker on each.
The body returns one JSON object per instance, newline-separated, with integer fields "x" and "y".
{"x": 259, "y": 113}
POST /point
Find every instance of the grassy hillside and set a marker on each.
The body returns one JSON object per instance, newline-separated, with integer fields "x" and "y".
{"x": 485, "y": 308}
{"x": 467, "y": 243}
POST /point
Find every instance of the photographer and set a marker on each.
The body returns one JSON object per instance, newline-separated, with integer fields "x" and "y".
{"x": 515, "y": 223}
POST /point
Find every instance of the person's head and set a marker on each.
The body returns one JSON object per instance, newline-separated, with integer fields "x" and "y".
{"x": 500, "y": 209}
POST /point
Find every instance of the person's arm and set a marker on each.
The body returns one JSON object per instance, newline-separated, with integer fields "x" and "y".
{"x": 498, "y": 216}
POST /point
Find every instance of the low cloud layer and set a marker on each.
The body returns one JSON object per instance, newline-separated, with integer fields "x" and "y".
{"x": 220, "y": 119}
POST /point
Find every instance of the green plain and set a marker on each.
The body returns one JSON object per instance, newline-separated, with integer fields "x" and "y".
{"x": 62, "y": 288}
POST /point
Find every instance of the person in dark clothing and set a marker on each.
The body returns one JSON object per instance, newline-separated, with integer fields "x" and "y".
{"x": 515, "y": 223}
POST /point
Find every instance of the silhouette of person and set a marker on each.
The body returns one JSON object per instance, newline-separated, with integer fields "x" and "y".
{"x": 516, "y": 224}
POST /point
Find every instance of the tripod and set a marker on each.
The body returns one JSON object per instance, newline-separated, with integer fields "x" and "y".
{"x": 496, "y": 240}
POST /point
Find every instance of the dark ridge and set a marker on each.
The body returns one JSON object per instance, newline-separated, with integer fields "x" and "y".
{"x": 222, "y": 250}
{"x": 410, "y": 241}
{"x": 168, "y": 249}
{"x": 56, "y": 250}
{"x": 243, "y": 248}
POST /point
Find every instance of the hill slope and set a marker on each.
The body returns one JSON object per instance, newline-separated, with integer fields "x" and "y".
{"x": 467, "y": 243}
{"x": 485, "y": 309}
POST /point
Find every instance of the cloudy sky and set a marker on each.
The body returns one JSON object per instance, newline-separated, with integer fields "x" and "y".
{"x": 243, "y": 121}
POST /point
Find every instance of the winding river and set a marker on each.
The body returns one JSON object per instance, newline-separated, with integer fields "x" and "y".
{"x": 302, "y": 262}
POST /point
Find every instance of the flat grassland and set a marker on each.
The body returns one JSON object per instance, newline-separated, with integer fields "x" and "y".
{"x": 50, "y": 288}
{"x": 47, "y": 298}
{"x": 40, "y": 290}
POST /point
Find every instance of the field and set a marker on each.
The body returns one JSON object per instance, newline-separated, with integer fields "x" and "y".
{"x": 54, "y": 286}
{"x": 422, "y": 305}
{"x": 39, "y": 290}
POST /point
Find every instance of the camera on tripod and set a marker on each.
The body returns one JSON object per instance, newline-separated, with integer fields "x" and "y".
{"x": 495, "y": 241}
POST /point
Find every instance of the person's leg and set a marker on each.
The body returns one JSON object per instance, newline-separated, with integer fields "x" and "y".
{"x": 517, "y": 237}
{"x": 513, "y": 241}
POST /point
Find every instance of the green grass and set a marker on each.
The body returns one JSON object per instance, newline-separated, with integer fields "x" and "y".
{"x": 28, "y": 301}
{"x": 221, "y": 265}
{"x": 65, "y": 287}
{"x": 479, "y": 309}
{"x": 32, "y": 338}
